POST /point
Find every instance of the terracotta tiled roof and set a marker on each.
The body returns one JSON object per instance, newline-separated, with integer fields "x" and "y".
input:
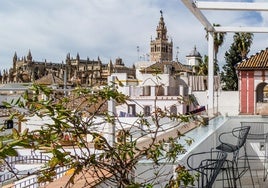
{"x": 259, "y": 61}
{"x": 159, "y": 66}
{"x": 50, "y": 79}
{"x": 82, "y": 103}
{"x": 87, "y": 178}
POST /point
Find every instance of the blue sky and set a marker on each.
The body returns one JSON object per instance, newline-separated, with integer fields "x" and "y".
{"x": 108, "y": 29}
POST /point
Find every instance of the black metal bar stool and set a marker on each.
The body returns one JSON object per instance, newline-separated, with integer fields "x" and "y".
{"x": 207, "y": 165}
{"x": 258, "y": 136}
{"x": 232, "y": 142}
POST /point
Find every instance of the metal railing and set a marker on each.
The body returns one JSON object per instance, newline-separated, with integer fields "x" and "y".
{"x": 27, "y": 159}
{"x": 32, "y": 181}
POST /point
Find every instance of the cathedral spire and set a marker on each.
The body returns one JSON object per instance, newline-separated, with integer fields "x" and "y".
{"x": 15, "y": 59}
{"x": 29, "y": 56}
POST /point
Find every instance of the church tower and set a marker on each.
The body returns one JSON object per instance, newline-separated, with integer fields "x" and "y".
{"x": 194, "y": 58}
{"x": 161, "y": 48}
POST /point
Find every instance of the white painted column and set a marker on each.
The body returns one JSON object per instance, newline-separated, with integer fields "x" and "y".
{"x": 166, "y": 90}
{"x": 153, "y": 91}
{"x": 210, "y": 73}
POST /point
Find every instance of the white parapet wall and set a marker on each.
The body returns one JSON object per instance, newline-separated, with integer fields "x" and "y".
{"x": 225, "y": 102}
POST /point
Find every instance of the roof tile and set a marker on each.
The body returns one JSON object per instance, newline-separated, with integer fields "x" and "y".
{"x": 259, "y": 61}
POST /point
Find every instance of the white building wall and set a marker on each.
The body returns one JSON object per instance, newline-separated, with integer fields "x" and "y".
{"x": 148, "y": 92}
{"x": 151, "y": 80}
{"x": 229, "y": 103}
{"x": 163, "y": 102}
{"x": 225, "y": 102}
{"x": 193, "y": 61}
{"x": 35, "y": 123}
{"x": 258, "y": 78}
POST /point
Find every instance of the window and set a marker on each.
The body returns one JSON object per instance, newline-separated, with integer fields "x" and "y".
{"x": 173, "y": 110}
{"x": 159, "y": 91}
{"x": 9, "y": 124}
{"x": 146, "y": 90}
{"x": 132, "y": 109}
{"x": 147, "y": 111}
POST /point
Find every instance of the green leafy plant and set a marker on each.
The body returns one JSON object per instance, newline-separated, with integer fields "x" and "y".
{"x": 81, "y": 115}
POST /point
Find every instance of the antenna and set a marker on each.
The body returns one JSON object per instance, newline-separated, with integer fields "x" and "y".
{"x": 177, "y": 53}
{"x": 138, "y": 51}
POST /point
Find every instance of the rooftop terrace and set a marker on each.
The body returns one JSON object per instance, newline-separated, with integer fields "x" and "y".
{"x": 205, "y": 138}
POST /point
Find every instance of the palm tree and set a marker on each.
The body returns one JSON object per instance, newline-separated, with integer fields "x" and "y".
{"x": 218, "y": 42}
{"x": 243, "y": 42}
{"x": 202, "y": 68}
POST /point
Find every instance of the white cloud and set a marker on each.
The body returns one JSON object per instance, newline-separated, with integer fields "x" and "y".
{"x": 105, "y": 28}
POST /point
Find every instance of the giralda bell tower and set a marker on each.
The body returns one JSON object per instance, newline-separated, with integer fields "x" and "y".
{"x": 161, "y": 48}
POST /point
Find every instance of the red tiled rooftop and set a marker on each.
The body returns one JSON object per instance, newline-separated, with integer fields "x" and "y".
{"x": 259, "y": 61}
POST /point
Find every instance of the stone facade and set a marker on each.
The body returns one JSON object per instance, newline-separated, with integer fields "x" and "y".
{"x": 76, "y": 70}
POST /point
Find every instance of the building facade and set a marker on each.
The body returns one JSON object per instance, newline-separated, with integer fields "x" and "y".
{"x": 253, "y": 88}
{"x": 161, "y": 82}
{"x": 75, "y": 70}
